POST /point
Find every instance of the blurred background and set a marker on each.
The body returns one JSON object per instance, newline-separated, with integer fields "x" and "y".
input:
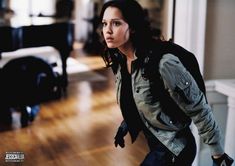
{"x": 57, "y": 100}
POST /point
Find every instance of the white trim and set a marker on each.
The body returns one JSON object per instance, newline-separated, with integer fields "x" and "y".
{"x": 190, "y": 23}
{"x": 169, "y": 19}
{"x": 181, "y": 22}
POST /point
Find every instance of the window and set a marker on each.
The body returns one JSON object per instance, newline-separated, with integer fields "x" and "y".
{"x": 34, "y": 7}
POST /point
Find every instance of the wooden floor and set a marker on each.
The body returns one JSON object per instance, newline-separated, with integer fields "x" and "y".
{"x": 76, "y": 130}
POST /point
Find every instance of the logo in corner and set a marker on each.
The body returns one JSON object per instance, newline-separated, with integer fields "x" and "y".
{"x": 14, "y": 157}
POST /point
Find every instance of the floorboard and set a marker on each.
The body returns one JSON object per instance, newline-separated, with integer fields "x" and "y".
{"x": 76, "y": 130}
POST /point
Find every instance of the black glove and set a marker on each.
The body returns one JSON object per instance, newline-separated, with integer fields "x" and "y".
{"x": 224, "y": 160}
{"x": 121, "y": 133}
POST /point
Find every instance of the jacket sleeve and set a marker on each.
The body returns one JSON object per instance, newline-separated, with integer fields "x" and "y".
{"x": 185, "y": 92}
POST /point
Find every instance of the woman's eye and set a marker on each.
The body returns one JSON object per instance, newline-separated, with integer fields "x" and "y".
{"x": 104, "y": 24}
{"x": 116, "y": 23}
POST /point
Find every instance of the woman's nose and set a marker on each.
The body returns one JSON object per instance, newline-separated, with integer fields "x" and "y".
{"x": 109, "y": 29}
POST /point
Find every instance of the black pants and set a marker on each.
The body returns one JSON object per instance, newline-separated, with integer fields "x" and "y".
{"x": 159, "y": 155}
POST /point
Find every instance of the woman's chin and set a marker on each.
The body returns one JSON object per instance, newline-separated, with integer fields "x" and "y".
{"x": 111, "y": 46}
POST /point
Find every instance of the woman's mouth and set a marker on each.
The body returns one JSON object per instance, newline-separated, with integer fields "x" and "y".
{"x": 109, "y": 39}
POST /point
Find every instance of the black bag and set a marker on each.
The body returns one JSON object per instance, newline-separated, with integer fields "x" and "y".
{"x": 25, "y": 83}
{"x": 151, "y": 61}
{"x": 189, "y": 61}
{"x": 28, "y": 81}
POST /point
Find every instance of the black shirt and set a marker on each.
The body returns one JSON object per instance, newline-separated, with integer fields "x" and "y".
{"x": 127, "y": 104}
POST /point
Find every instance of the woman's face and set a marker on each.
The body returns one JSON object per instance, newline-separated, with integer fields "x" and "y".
{"x": 115, "y": 30}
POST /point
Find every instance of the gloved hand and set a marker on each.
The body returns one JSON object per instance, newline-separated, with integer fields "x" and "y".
{"x": 224, "y": 160}
{"x": 121, "y": 133}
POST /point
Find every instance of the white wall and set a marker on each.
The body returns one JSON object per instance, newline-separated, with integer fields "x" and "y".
{"x": 220, "y": 40}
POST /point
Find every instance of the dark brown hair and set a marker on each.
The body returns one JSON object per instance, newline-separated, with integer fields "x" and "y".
{"x": 135, "y": 16}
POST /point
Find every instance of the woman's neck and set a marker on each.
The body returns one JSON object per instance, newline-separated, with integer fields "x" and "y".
{"x": 128, "y": 51}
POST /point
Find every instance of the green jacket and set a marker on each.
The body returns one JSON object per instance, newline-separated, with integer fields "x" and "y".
{"x": 175, "y": 78}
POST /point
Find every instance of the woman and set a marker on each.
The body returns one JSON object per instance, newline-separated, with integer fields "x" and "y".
{"x": 128, "y": 42}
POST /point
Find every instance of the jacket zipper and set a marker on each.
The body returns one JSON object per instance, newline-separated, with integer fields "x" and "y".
{"x": 118, "y": 91}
